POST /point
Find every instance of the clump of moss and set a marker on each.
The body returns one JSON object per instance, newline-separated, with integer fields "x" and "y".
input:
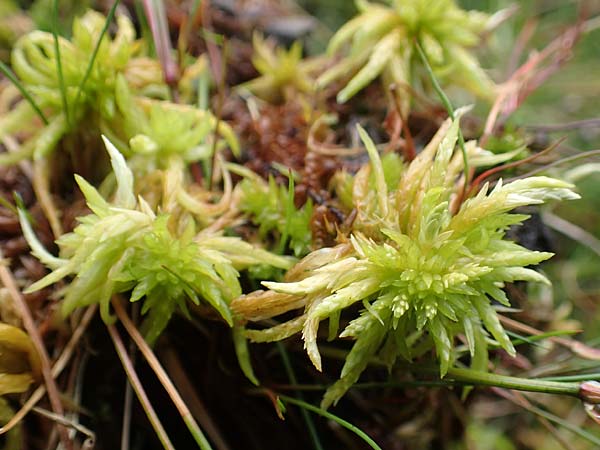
{"x": 382, "y": 41}
{"x": 423, "y": 273}
{"x": 124, "y": 246}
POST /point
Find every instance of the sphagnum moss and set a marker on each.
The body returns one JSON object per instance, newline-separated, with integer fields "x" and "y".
{"x": 382, "y": 43}
{"x": 124, "y": 246}
{"x": 423, "y": 273}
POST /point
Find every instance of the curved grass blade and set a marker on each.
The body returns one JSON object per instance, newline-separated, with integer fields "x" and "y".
{"x": 61, "y": 80}
{"x": 139, "y": 389}
{"x": 360, "y": 433}
{"x": 88, "y": 70}
{"x": 594, "y": 376}
{"x": 448, "y": 105}
{"x": 565, "y": 424}
{"x": 312, "y": 430}
{"x": 14, "y": 80}
{"x": 164, "y": 379}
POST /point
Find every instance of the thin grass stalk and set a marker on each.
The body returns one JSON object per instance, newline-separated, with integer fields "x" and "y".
{"x": 478, "y": 378}
{"x": 61, "y": 81}
{"x": 66, "y": 422}
{"x": 449, "y": 108}
{"x": 594, "y": 376}
{"x": 145, "y": 32}
{"x": 128, "y": 397}
{"x": 186, "y": 30}
{"x": 563, "y": 423}
{"x": 312, "y": 429}
{"x": 162, "y": 375}
{"x": 582, "y": 155}
{"x": 41, "y": 186}
{"x": 14, "y": 80}
{"x": 519, "y": 399}
{"x": 139, "y": 389}
{"x": 472, "y": 377}
{"x": 370, "y": 385}
{"x": 533, "y": 340}
{"x": 57, "y": 369}
{"x": 288, "y": 216}
{"x": 578, "y": 348}
{"x": 510, "y": 165}
{"x": 360, "y": 433}
{"x": 174, "y": 366}
{"x": 8, "y": 280}
{"x": 88, "y": 71}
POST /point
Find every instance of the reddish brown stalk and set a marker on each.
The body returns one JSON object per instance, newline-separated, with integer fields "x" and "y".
{"x": 160, "y": 372}
{"x": 393, "y": 125}
{"x": 157, "y": 19}
{"x": 530, "y": 76}
{"x": 477, "y": 181}
{"x": 408, "y": 150}
{"x": 148, "y": 354}
{"x": 579, "y": 348}
{"x": 582, "y": 155}
{"x": 275, "y": 401}
{"x": 8, "y": 280}
{"x": 522, "y": 39}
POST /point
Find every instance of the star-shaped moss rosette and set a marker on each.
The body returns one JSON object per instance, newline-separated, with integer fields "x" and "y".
{"x": 271, "y": 207}
{"x": 283, "y": 73}
{"x": 381, "y": 41}
{"x": 423, "y": 273}
{"x": 160, "y": 139}
{"x": 157, "y": 131}
{"x": 125, "y": 246}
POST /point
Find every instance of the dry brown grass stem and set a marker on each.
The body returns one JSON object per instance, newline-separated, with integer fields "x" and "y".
{"x": 57, "y": 369}
{"x": 8, "y": 280}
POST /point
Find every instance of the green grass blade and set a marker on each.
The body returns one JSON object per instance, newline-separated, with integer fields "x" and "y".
{"x": 204, "y": 91}
{"x": 312, "y": 430}
{"x": 595, "y": 376}
{"x": 447, "y": 104}
{"x": 61, "y": 81}
{"x": 476, "y": 378}
{"x": 533, "y": 339}
{"x": 360, "y": 433}
{"x": 14, "y": 80}
{"x": 88, "y": 70}
{"x": 565, "y": 424}
{"x": 289, "y": 211}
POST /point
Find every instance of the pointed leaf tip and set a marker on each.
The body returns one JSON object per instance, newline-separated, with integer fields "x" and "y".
{"x": 124, "y": 196}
